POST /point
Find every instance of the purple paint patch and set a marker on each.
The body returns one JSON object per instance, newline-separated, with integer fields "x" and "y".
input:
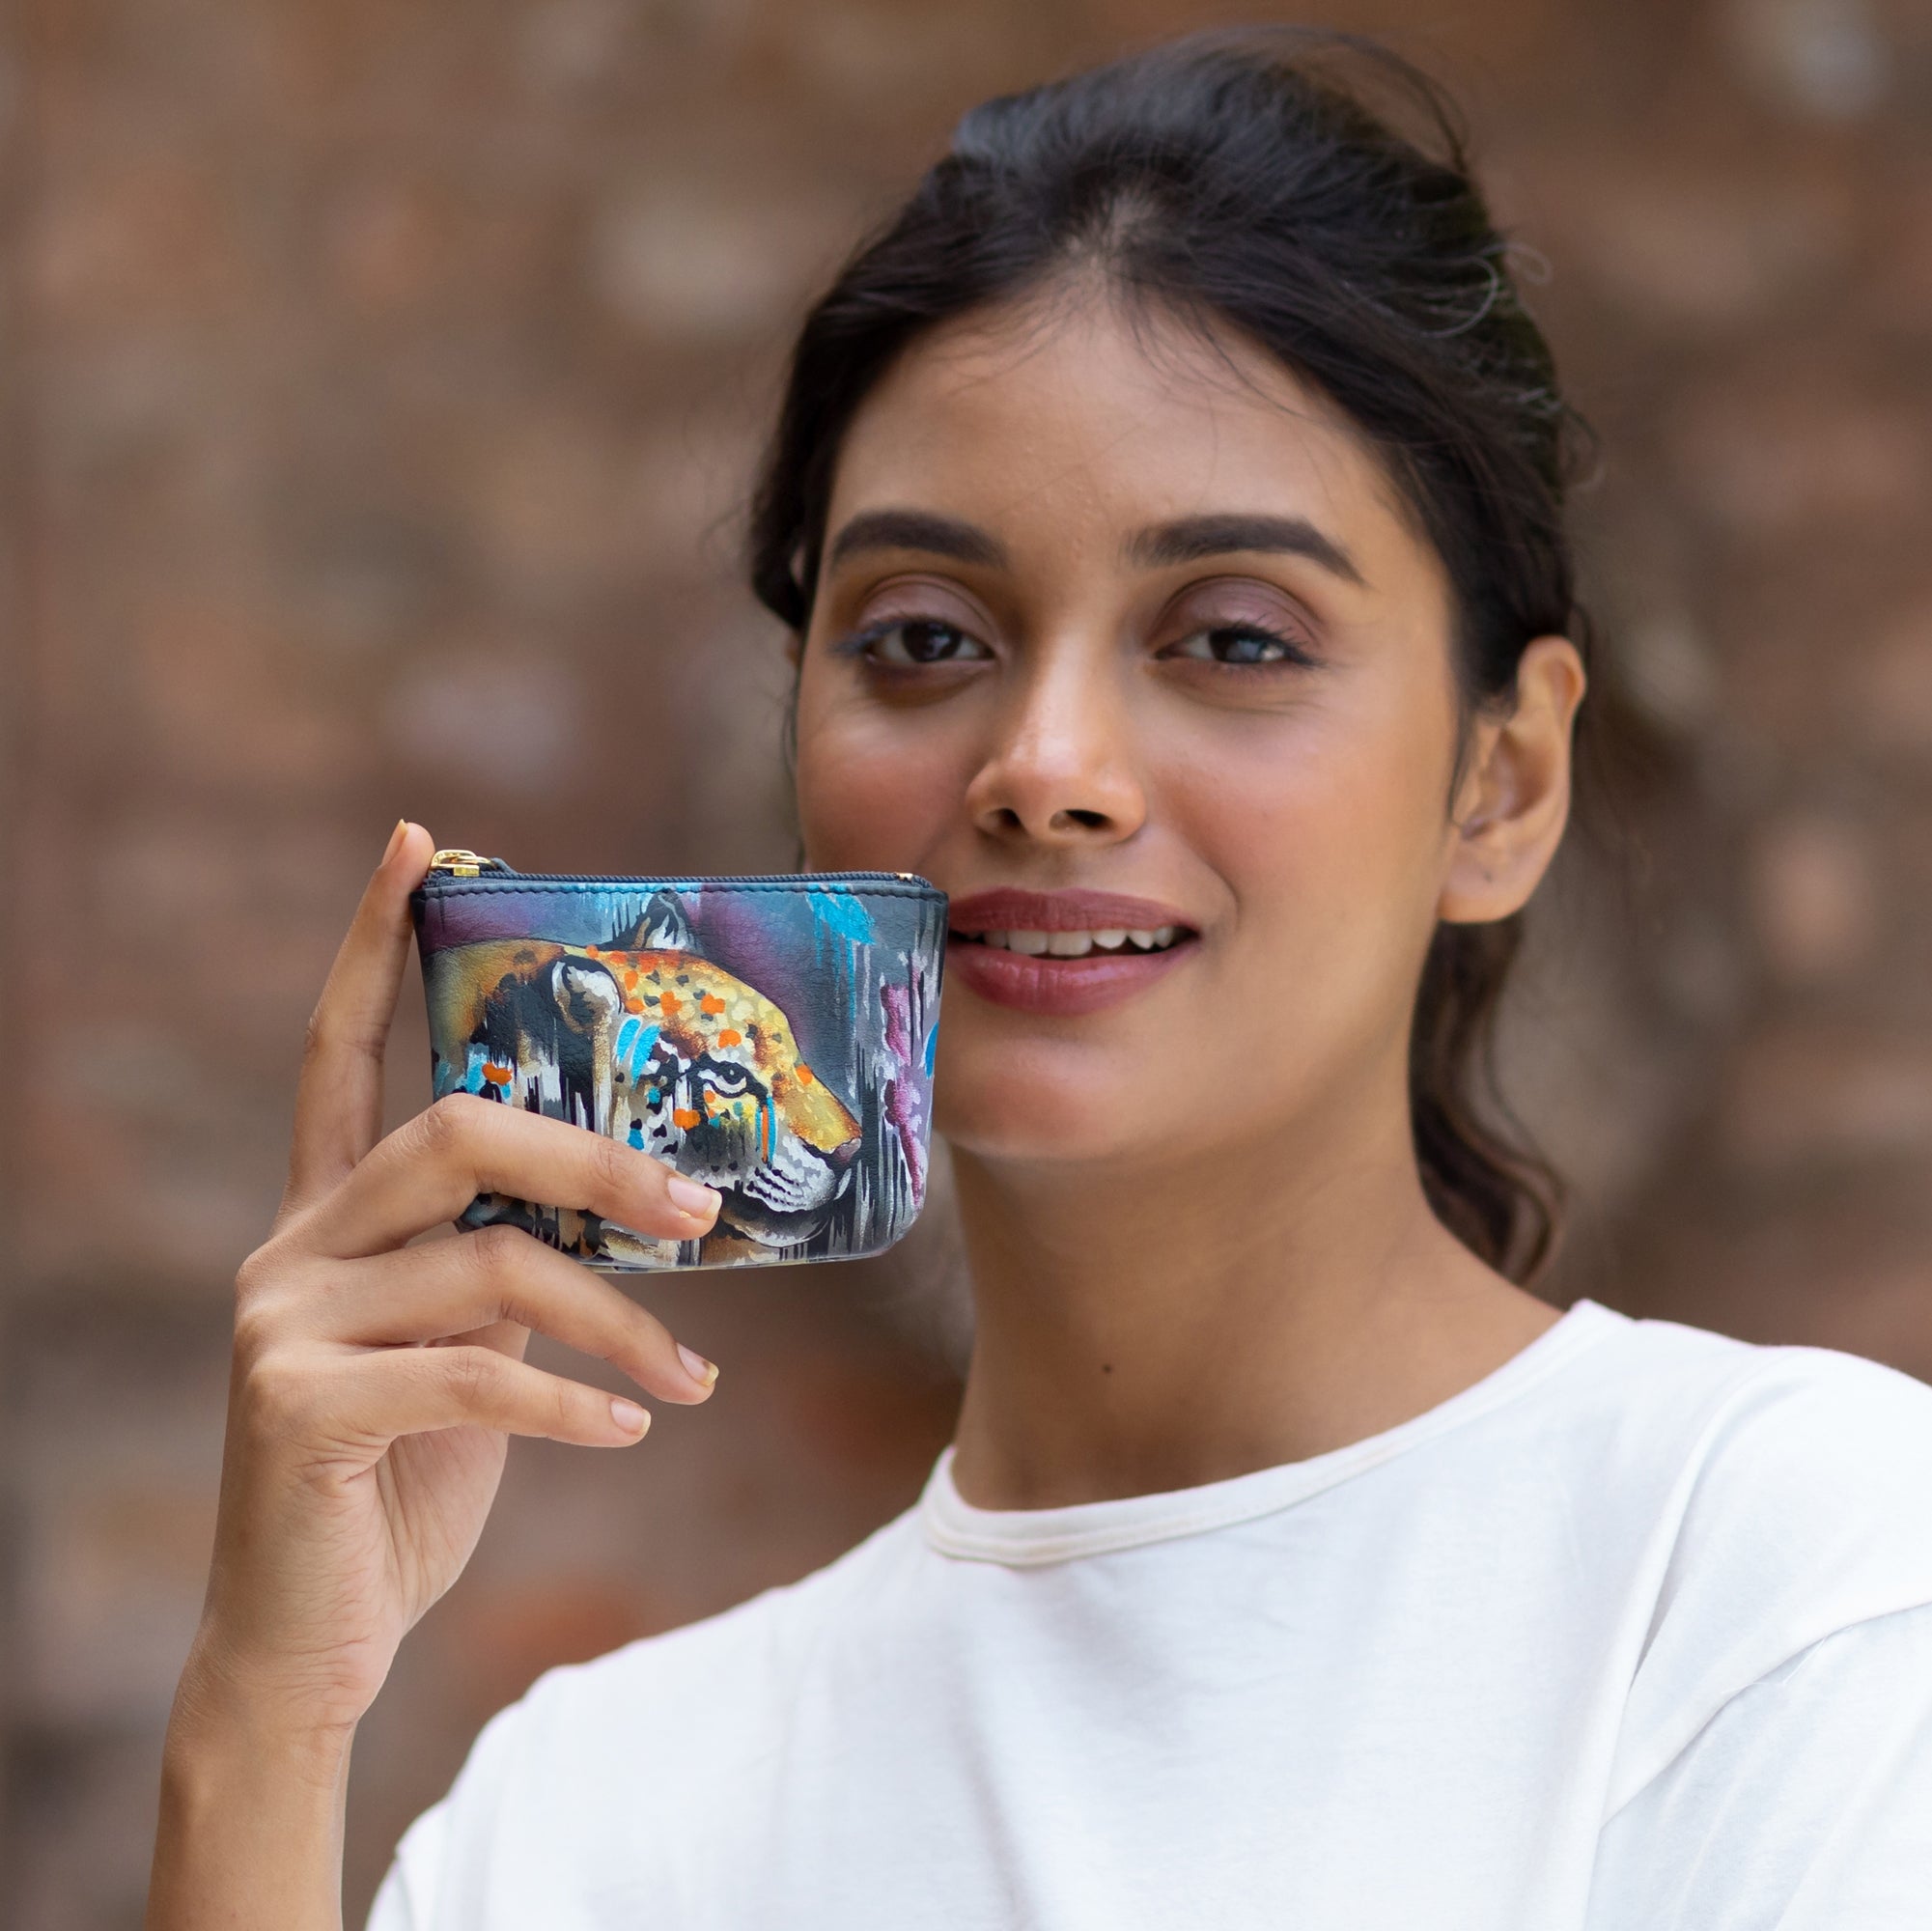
{"x": 898, "y": 1003}
{"x": 904, "y": 1093}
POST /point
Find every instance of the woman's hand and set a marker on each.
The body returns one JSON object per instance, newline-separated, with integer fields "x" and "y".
{"x": 376, "y": 1385}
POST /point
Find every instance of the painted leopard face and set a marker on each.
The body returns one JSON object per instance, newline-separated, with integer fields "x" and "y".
{"x": 653, "y": 1043}
{"x": 705, "y": 1072}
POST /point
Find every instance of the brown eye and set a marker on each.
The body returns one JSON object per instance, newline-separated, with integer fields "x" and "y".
{"x": 912, "y": 641}
{"x": 1238, "y": 644}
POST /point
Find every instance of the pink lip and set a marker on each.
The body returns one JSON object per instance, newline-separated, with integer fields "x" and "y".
{"x": 1059, "y": 988}
{"x": 1007, "y": 909}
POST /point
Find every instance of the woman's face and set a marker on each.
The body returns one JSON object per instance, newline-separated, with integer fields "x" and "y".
{"x": 1124, "y": 640}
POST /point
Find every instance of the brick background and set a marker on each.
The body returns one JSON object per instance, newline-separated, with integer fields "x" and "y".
{"x": 377, "y": 382}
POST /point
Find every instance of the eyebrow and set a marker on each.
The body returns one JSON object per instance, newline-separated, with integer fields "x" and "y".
{"x": 917, "y": 529}
{"x": 1187, "y": 539}
{"x": 1192, "y": 539}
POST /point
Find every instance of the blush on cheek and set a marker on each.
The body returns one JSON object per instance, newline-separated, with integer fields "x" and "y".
{"x": 853, "y": 823}
{"x": 869, "y": 799}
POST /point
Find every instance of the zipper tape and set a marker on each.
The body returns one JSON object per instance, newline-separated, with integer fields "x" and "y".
{"x": 455, "y": 871}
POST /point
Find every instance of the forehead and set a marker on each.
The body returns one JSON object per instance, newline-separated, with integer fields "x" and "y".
{"x": 1069, "y": 419}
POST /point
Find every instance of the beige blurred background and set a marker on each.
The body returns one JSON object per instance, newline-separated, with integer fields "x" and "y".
{"x": 379, "y": 385}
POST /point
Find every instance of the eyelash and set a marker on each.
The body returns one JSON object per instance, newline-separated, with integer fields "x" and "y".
{"x": 860, "y": 642}
{"x": 1292, "y": 652}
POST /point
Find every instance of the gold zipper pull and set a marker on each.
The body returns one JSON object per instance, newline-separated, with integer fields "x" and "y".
{"x": 461, "y": 864}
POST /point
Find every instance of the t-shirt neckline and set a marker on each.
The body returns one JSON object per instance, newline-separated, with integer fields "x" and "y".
{"x": 1031, "y": 1538}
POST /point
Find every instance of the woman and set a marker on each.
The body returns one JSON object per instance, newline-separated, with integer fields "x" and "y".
{"x": 1166, "y": 510}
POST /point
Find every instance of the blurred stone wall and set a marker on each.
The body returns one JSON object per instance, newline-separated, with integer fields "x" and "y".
{"x": 377, "y": 386}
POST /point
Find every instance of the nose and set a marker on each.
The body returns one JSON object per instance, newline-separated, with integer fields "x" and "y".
{"x": 1061, "y": 770}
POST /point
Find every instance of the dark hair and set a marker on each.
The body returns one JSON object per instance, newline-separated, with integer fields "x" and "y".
{"x": 1231, "y": 179}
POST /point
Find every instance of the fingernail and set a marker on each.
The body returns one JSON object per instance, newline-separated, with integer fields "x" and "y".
{"x": 628, "y": 1416}
{"x": 696, "y": 1366}
{"x": 396, "y": 838}
{"x": 699, "y": 1201}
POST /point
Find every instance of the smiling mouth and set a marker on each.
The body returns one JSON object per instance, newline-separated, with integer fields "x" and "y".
{"x": 1109, "y": 944}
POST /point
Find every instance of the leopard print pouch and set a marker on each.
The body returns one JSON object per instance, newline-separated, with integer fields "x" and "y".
{"x": 770, "y": 1036}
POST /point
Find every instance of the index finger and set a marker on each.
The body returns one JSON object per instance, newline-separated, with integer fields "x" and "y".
{"x": 339, "y": 1101}
{"x": 431, "y": 1168}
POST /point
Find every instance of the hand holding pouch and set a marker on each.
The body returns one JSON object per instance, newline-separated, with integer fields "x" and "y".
{"x": 771, "y": 1036}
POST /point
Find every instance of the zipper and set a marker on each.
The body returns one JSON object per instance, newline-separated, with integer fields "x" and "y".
{"x": 458, "y": 863}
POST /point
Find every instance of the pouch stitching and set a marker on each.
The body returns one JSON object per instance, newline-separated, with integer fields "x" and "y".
{"x": 633, "y": 887}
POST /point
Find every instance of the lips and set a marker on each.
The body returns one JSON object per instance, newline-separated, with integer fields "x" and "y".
{"x": 1063, "y": 953}
{"x": 1007, "y": 909}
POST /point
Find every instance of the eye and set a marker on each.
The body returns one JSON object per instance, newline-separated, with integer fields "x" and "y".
{"x": 902, "y": 642}
{"x": 722, "y": 1077}
{"x": 1239, "y": 644}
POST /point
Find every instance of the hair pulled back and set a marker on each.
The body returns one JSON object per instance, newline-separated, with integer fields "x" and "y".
{"x": 1232, "y": 180}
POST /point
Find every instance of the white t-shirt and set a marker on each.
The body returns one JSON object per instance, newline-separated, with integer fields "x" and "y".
{"x": 1634, "y": 1634}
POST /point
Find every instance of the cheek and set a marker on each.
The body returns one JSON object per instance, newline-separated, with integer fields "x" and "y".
{"x": 1346, "y": 798}
{"x": 1331, "y": 839}
{"x": 875, "y": 789}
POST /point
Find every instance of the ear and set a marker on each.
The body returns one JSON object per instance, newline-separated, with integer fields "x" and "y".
{"x": 663, "y": 926}
{"x": 585, "y": 993}
{"x": 1514, "y": 799}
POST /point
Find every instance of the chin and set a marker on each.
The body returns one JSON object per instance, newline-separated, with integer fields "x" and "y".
{"x": 1012, "y": 1112}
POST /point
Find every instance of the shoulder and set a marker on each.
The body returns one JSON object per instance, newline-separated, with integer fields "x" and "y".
{"x": 558, "y": 1781}
{"x": 719, "y": 1677}
{"x": 1796, "y": 1504}
{"x": 1712, "y": 1444}
{"x": 1785, "y": 1450}
{"x": 723, "y": 1668}
{"x": 1739, "y": 1430}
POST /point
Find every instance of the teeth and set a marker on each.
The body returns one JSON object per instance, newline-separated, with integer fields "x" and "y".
{"x": 1081, "y": 944}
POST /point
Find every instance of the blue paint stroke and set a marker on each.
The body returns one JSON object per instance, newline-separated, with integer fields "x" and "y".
{"x": 844, "y": 914}
{"x": 634, "y": 1041}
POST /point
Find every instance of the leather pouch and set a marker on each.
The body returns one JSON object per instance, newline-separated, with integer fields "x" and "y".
{"x": 770, "y": 1036}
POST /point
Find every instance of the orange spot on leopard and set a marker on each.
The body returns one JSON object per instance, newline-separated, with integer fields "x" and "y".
{"x": 591, "y": 952}
{"x": 497, "y": 1076}
{"x": 804, "y": 1072}
{"x": 727, "y": 1036}
{"x": 682, "y": 1116}
{"x": 633, "y": 1005}
{"x": 669, "y": 1002}
{"x": 710, "y": 1003}
{"x": 631, "y": 981}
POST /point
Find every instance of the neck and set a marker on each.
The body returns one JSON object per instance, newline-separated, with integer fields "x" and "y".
{"x": 1145, "y": 1325}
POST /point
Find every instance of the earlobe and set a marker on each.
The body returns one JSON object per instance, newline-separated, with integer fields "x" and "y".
{"x": 1515, "y": 798}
